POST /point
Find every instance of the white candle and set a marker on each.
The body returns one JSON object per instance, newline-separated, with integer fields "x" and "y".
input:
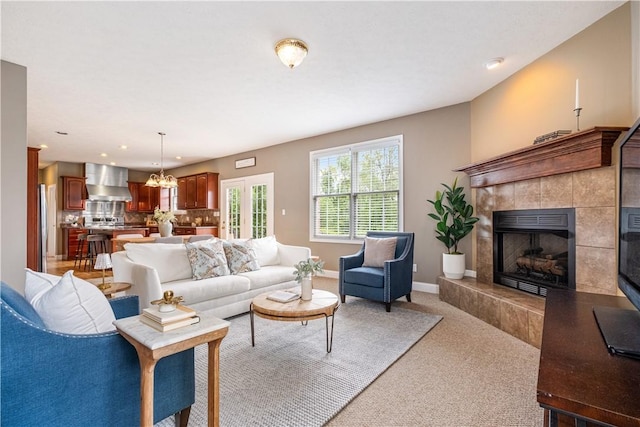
{"x": 577, "y": 94}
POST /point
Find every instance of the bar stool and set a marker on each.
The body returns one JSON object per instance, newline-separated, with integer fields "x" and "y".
{"x": 96, "y": 244}
{"x": 79, "y": 255}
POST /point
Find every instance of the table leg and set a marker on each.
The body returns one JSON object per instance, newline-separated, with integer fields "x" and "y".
{"x": 214, "y": 383}
{"x": 147, "y": 367}
{"x": 329, "y": 336}
{"x": 253, "y": 343}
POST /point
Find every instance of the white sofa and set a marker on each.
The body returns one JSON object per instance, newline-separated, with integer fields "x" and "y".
{"x": 153, "y": 268}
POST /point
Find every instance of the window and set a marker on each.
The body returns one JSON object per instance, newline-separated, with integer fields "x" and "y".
{"x": 355, "y": 189}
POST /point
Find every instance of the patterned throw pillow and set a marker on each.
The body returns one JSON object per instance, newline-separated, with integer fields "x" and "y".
{"x": 240, "y": 257}
{"x": 207, "y": 259}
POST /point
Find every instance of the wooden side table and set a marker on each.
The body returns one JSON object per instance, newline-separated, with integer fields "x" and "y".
{"x": 115, "y": 288}
{"x": 152, "y": 345}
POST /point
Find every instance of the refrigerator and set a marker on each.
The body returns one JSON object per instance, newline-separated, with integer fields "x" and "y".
{"x": 42, "y": 228}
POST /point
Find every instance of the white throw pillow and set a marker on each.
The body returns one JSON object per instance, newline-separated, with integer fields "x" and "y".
{"x": 169, "y": 259}
{"x": 266, "y": 250}
{"x": 37, "y": 283}
{"x": 378, "y": 250}
{"x": 74, "y": 306}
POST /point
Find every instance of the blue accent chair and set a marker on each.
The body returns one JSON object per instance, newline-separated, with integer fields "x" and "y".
{"x": 54, "y": 379}
{"x": 385, "y": 284}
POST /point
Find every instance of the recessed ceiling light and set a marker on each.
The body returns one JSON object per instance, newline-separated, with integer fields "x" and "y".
{"x": 123, "y": 147}
{"x": 112, "y": 163}
{"x": 61, "y": 133}
{"x": 44, "y": 146}
{"x": 493, "y": 63}
{"x": 178, "y": 157}
{"x": 103, "y": 154}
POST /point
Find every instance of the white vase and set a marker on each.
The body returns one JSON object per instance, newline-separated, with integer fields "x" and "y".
{"x": 165, "y": 228}
{"x": 306, "y": 287}
{"x": 453, "y": 266}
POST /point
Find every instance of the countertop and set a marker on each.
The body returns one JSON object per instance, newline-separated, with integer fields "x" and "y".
{"x": 105, "y": 227}
{"x": 129, "y": 226}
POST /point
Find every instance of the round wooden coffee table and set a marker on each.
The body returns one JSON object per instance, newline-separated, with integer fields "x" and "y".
{"x": 322, "y": 304}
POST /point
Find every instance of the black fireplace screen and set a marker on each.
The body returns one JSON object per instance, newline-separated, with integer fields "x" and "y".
{"x": 534, "y": 249}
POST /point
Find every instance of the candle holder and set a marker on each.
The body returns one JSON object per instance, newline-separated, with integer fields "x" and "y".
{"x": 577, "y": 111}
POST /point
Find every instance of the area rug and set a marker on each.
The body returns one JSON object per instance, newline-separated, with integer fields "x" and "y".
{"x": 288, "y": 378}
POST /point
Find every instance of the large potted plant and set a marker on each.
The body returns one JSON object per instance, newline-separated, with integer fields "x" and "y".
{"x": 454, "y": 220}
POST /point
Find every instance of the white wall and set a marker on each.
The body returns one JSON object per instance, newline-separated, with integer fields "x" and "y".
{"x": 13, "y": 175}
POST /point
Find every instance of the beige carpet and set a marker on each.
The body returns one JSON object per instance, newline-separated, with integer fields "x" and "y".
{"x": 464, "y": 372}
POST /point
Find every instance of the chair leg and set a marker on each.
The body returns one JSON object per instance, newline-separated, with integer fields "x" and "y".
{"x": 409, "y": 297}
{"x": 388, "y": 306}
{"x": 182, "y": 417}
{"x": 343, "y": 298}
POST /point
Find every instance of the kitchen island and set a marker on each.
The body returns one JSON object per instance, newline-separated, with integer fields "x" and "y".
{"x": 71, "y": 233}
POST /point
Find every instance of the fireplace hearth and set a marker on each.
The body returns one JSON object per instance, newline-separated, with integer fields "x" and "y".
{"x": 534, "y": 250}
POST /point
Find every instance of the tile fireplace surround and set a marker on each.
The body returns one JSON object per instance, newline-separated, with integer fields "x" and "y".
{"x": 573, "y": 172}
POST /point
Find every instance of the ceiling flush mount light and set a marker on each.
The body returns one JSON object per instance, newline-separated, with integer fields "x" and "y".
{"x": 493, "y": 63}
{"x": 291, "y": 52}
{"x": 160, "y": 180}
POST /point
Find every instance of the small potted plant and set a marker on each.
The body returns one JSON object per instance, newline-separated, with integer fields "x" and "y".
{"x": 164, "y": 220}
{"x": 454, "y": 220}
{"x": 304, "y": 271}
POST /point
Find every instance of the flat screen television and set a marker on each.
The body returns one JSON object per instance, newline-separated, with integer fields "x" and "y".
{"x": 621, "y": 327}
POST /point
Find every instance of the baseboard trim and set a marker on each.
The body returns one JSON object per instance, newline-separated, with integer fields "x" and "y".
{"x": 430, "y": 288}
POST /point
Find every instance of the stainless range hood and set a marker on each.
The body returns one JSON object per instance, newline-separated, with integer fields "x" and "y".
{"x": 107, "y": 183}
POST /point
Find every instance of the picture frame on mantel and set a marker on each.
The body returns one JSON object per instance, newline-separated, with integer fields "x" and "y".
{"x": 245, "y": 163}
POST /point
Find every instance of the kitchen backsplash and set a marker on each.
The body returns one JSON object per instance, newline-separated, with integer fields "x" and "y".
{"x": 208, "y": 217}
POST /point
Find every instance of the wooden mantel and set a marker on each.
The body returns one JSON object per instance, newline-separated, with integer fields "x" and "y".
{"x": 586, "y": 149}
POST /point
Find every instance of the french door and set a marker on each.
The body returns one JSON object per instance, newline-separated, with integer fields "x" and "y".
{"x": 246, "y": 209}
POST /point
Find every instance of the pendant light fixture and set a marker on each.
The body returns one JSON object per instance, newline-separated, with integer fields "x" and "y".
{"x": 160, "y": 180}
{"x": 291, "y": 52}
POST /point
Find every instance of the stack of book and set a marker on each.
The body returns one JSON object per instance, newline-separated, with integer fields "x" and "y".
{"x": 167, "y": 321}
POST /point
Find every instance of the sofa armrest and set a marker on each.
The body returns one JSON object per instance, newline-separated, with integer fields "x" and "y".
{"x": 146, "y": 284}
{"x": 122, "y": 267}
{"x": 290, "y": 255}
{"x": 126, "y": 306}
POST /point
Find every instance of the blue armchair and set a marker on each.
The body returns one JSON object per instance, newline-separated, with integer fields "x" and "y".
{"x": 55, "y": 379}
{"x": 379, "y": 284}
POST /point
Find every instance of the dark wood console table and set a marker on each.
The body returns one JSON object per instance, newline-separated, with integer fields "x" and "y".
{"x": 579, "y": 382}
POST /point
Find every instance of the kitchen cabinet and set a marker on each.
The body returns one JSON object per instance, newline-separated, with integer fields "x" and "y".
{"x": 182, "y": 193}
{"x": 73, "y": 242}
{"x": 74, "y": 193}
{"x": 182, "y": 230}
{"x": 145, "y": 199}
{"x": 132, "y": 206}
{"x": 198, "y": 191}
